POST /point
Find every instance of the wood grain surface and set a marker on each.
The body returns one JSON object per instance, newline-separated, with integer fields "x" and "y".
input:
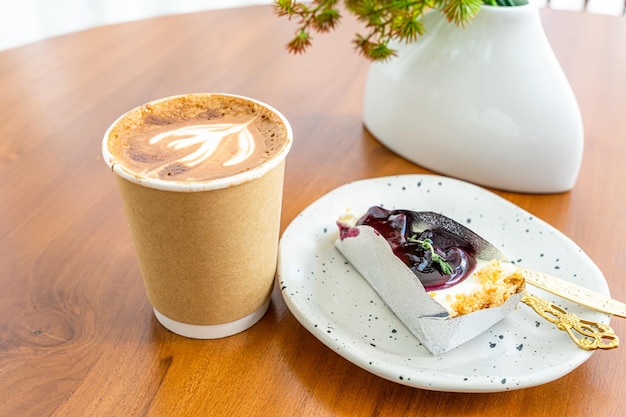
{"x": 77, "y": 334}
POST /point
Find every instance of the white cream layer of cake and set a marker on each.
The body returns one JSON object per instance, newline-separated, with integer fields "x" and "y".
{"x": 489, "y": 285}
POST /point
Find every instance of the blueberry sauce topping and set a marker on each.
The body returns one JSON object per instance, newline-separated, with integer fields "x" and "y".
{"x": 439, "y": 259}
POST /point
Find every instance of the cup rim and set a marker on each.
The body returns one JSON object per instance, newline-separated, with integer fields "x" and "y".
{"x": 206, "y": 185}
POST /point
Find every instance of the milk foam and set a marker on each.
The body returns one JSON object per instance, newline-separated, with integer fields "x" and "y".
{"x": 205, "y": 141}
{"x": 197, "y": 139}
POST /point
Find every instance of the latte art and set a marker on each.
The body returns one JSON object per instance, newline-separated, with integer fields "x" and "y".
{"x": 197, "y": 138}
{"x": 206, "y": 140}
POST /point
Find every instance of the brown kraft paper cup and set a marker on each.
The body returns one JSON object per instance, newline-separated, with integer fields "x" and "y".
{"x": 207, "y": 250}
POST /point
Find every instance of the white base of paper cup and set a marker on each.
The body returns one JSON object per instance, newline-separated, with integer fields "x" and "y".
{"x": 214, "y": 331}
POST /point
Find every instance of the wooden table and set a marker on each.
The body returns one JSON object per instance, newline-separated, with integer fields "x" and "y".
{"x": 77, "y": 335}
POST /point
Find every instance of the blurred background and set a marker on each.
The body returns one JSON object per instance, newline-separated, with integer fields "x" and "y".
{"x": 25, "y": 21}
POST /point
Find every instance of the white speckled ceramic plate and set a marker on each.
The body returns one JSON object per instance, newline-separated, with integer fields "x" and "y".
{"x": 336, "y": 304}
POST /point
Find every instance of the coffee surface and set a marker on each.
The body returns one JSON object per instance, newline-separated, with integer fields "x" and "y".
{"x": 196, "y": 138}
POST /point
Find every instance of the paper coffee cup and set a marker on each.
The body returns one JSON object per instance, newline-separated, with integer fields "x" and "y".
{"x": 206, "y": 237}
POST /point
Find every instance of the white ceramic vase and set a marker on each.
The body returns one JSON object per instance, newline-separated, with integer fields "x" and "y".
{"x": 487, "y": 103}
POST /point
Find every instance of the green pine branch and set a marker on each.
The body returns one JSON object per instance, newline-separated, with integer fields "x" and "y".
{"x": 384, "y": 20}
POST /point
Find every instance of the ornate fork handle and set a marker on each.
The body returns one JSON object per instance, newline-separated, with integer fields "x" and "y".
{"x": 594, "y": 335}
